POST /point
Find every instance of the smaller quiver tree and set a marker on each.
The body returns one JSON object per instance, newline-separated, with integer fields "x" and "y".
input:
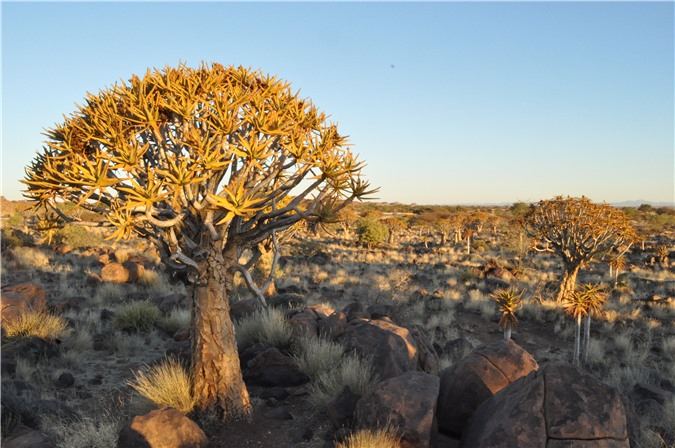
{"x": 579, "y": 232}
{"x": 508, "y": 302}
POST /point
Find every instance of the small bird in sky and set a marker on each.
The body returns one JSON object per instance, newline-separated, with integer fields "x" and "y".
{"x": 392, "y": 66}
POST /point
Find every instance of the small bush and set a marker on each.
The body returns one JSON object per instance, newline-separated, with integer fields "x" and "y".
{"x": 353, "y": 372}
{"x": 165, "y": 384}
{"x": 138, "y": 316}
{"x": 78, "y": 237}
{"x": 268, "y": 325}
{"x": 85, "y": 432}
{"x": 40, "y": 324}
{"x": 369, "y": 438}
{"x": 318, "y": 355}
{"x": 177, "y": 319}
{"x": 371, "y": 231}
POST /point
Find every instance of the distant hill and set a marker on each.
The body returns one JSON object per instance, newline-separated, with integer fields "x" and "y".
{"x": 639, "y": 202}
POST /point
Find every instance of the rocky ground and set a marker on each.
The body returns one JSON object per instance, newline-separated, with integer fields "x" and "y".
{"x": 417, "y": 336}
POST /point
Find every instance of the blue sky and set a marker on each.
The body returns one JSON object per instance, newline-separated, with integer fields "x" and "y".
{"x": 447, "y": 102}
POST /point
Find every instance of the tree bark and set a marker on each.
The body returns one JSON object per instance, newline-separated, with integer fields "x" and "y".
{"x": 468, "y": 244}
{"x": 218, "y": 384}
{"x": 507, "y": 332}
{"x": 577, "y": 342}
{"x": 587, "y": 336}
{"x": 569, "y": 281}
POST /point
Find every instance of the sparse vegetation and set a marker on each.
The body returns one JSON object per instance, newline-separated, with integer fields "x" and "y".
{"x": 140, "y": 315}
{"x": 166, "y": 384}
{"x": 318, "y": 355}
{"x": 268, "y": 325}
{"x": 352, "y": 372}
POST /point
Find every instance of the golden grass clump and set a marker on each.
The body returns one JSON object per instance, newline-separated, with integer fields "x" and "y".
{"x": 369, "y": 438}
{"x": 40, "y": 324}
{"x": 166, "y": 384}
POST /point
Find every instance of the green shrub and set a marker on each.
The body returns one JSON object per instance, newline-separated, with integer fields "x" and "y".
{"x": 370, "y": 231}
{"x": 78, "y": 236}
{"x": 138, "y": 316}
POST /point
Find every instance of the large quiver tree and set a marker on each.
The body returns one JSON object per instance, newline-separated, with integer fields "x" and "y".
{"x": 207, "y": 163}
{"x": 579, "y": 231}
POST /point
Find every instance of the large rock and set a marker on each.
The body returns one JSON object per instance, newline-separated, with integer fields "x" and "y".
{"x": 21, "y": 297}
{"x": 391, "y": 348}
{"x": 287, "y": 300}
{"x": 115, "y": 273}
{"x": 555, "y": 407}
{"x": 406, "y": 402}
{"x": 476, "y": 378}
{"x": 428, "y": 358}
{"x": 271, "y": 368}
{"x": 333, "y": 326}
{"x": 27, "y": 438}
{"x": 303, "y": 322}
{"x": 162, "y": 428}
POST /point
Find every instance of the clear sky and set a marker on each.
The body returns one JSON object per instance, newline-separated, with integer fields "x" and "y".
{"x": 447, "y": 102}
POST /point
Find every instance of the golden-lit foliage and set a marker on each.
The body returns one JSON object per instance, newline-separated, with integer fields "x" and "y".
{"x": 587, "y": 300}
{"x": 508, "y": 301}
{"x": 579, "y": 230}
{"x": 179, "y": 150}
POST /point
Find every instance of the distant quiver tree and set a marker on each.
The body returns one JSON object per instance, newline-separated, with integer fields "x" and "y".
{"x": 579, "y": 232}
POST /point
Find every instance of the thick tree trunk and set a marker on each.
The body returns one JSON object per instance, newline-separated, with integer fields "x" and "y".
{"x": 507, "y": 332}
{"x": 569, "y": 281}
{"x": 218, "y": 383}
{"x": 468, "y": 244}
{"x": 587, "y": 336}
{"x": 444, "y": 238}
{"x": 577, "y": 342}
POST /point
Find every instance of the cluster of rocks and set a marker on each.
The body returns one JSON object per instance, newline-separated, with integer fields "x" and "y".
{"x": 496, "y": 396}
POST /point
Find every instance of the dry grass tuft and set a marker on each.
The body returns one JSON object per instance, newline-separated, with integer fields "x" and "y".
{"x": 353, "y": 372}
{"x": 39, "y": 324}
{"x": 138, "y": 316}
{"x": 369, "y": 438}
{"x": 166, "y": 384}
{"x": 177, "y": 319}
{"x": 318, "y": 355}
{"x": 85, "y": 432}
{"x": 267, "y": 325}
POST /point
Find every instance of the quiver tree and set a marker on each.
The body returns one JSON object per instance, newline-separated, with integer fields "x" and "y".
{"x": 207, "y": 163}
{"x": 508, "y": 301}
{"x": 585, "y": 302}
{"x": 616, "y": 265}
{"x": 396, "y": 227}
{"x": 579, "y": 232}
